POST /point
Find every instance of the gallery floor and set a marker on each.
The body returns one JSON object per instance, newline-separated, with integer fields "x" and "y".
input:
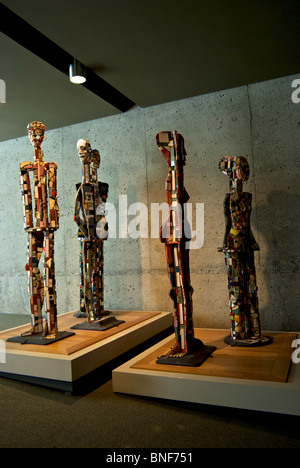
{"x": 37, "y": 417}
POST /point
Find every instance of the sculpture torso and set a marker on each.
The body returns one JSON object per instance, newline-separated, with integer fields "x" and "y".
{"x": 90, "y": 198}
{"x": 238, "y": 236}
{"x": 43, "y": 215}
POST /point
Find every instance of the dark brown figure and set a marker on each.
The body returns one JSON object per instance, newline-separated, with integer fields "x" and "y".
{"x": 188, "y": 350}
{"x": 89, "y": 216}
{"x": 239, "y": 246}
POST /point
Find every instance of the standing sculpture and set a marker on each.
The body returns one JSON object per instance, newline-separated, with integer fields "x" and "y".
{"x": 41, "y": 220}
{"x": 188, "y": 350}
{"x": 239, "y": 246}
{"x": 90, "y": 204}
{"x": 85, "y": 153}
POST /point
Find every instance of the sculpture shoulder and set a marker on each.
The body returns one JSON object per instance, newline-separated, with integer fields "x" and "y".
{"x": 103, "y": 188}
{"x": 239, "y": 195}
{"x": 26, "y": 165}
{"x": 52, "y": 165}
{"x": 103, "y": 184}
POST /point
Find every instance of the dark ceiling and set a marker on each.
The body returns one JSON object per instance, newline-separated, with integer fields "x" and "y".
{"x": 144, "y": 52}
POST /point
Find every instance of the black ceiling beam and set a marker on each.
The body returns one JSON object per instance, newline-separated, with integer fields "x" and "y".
{"x": 27, "y": 36}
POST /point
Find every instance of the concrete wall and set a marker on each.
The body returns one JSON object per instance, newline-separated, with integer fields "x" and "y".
{"x": 259, "y": 122}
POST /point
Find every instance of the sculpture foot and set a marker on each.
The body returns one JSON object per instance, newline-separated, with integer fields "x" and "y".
{"x": 251, "y": 342}
{"x": 99, "y": 325}
{"x": 39, "y": 338}
{"x": 195, "y": 358}
{"x": 47, "y": 335}
{"x": 51, "y": 336}
{"x": 104, "y": 313}
{"x": 30, "y": 332}
{"x": 80, "y": 314}
{"x": 176, "y": 350}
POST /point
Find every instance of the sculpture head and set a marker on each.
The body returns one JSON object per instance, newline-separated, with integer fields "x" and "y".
{"x": 84, "y": 151}
{"x": 167, "y": 140}
{"x": 236, "y": 167}
{"x": 96, "y": 159}
{"x": 36, "y": 132}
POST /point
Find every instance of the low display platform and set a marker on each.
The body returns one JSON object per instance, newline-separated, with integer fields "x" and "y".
{"x": 261, "y": 379}
{"x": 62, "y": 363}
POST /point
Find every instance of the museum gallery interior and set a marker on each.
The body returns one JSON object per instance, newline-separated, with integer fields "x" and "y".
{"x": 150, "y": 224}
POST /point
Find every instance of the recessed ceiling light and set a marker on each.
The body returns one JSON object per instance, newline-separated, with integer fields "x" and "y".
{"x": 77, "y": 73}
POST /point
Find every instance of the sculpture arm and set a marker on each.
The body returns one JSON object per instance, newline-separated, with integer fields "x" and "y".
{"x": 101, "y": 223}
{"x": 53, "y": 205}
{"x": 78, "y": 205}
{"x": 25, "y": 187}
{"x": 227, "y": 215}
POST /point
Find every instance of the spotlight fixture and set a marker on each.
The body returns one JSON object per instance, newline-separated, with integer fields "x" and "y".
{"x": 77, "y": 73}
{"x": 27, "y": 36}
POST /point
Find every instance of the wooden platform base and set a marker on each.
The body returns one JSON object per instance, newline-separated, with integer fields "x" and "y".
{"x": 263, "y": 379}
{"x": 60, "y": 364}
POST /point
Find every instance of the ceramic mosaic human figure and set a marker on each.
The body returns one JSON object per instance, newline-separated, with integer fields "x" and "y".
{"x": 101, "y": 192}
{"x": 41, "y": 220}
{"x": 239, "y": 246}
{"x": 84, "y": 152}
{"x": 173, "y": 235}
{"x": 90, "y": 204}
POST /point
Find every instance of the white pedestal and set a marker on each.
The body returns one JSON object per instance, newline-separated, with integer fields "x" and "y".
{"x": 198, "y": 386}
{"x": 61, "y": 364}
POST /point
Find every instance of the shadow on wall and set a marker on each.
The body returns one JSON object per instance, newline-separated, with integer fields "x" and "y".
{"x": 279, "y": 226}
{"x": 123, "y": 265}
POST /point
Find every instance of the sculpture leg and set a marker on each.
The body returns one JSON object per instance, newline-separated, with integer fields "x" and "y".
{"x": 87, "y": 258}
{"x": 253, "y": 318}
{"x": 188, "y": 290}
{"x": 173, "y": 295}
{"x": 235, "y": 278}
{"x": 50, "y": 286}
{"x": 35, "y": 282}
{"x": 98, "y": 279}
{"x": 81, "y": 298}
{"x": 181, "y": 294}
{"x": 187, "y": 350}
{"x": 245, "y": 330}
{"x": 100, "y": 269}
